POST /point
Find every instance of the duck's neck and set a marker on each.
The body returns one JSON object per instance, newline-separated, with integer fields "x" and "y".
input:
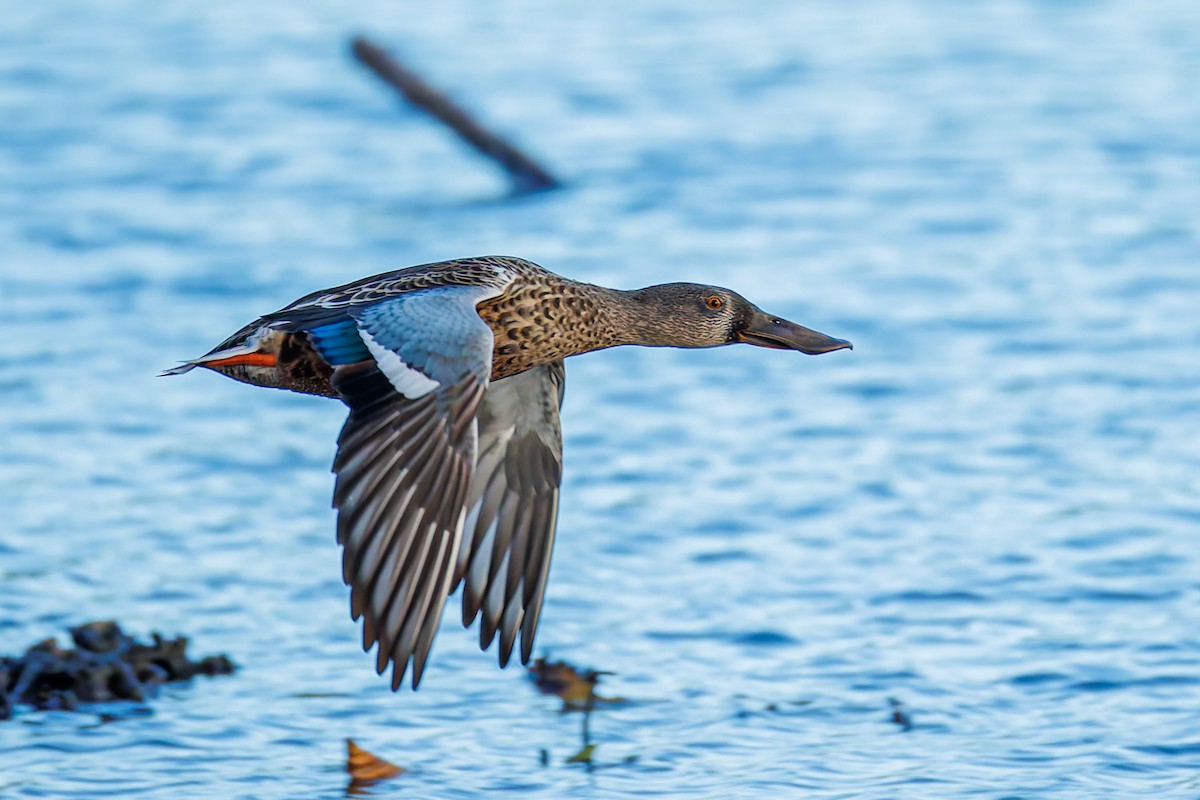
{"x": 647, "y": 317}
{"x": 601, "y": 317}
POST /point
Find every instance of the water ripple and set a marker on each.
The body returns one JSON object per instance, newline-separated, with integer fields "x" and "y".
{"x": 986, "y": 512}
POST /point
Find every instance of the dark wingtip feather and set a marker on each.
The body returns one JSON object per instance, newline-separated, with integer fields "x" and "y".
{"x": 418, "y": 673}
{"x": 368, "y": 635}
{"x": 381, "y": 663}
{"x": 506, "y": 647}
{"x": 485, "y": 641}
{"x": 527, "y": 634}
{"x": 398, "y": 670}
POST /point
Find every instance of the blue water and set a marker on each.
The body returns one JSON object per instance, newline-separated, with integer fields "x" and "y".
{"x": 989, "y": 511}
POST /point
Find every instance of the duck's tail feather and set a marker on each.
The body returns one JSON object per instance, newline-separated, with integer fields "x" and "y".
{"x": 263, "y": 355}
{"x": 186, "y": 366}
{"x": 247, "y": 354}
{"x": 242, "y": 348}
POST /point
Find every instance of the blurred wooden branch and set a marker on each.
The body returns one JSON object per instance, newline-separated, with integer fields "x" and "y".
{"x": 527, "y": 174}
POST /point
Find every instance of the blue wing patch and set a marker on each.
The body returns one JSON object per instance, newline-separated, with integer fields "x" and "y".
{"x": 419, "y": 340}
{"x": 339, "y": 343}
{"x": 429, "y": 338}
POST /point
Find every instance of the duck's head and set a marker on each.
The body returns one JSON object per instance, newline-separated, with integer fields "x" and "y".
{"x": 695, "y": 315}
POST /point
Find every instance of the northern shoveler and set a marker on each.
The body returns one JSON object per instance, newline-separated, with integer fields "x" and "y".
{"x": 449, "y": 465}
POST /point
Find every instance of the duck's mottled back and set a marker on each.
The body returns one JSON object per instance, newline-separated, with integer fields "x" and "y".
{"x": 492, "y": 271}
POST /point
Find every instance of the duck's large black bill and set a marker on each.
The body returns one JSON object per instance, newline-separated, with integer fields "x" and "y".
{"x": 767, "y": 331}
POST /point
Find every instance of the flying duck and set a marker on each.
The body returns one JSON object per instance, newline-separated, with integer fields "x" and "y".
{"x": 449, "y": 465}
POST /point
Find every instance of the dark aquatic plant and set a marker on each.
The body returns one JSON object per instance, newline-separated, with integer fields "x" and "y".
{"x": 106, "y": 665}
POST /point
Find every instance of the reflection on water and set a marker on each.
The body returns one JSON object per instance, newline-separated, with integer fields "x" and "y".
{"x": 986, "y": 512}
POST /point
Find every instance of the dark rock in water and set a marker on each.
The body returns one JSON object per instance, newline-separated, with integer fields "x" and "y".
{"x": 100, "y": 637}
{"x": 106, "y": 665}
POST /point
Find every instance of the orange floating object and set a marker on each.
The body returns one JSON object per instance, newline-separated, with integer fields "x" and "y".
{"x": 365, "y": 767}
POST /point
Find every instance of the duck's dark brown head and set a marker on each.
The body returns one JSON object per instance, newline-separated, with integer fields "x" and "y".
{"x": 695, "y": 315}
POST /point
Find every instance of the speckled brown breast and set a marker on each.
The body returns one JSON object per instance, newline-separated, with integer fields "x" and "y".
{"x": 535, "y": 324}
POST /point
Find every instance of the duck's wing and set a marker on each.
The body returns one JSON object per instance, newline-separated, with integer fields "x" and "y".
{"x": 413, "y": 370}
{"x": 509, "y": 533}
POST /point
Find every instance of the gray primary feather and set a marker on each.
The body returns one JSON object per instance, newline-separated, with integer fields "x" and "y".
{"x": 426, "y": 452}
{"x": 509, "y": 536}
{"x": 401, "y": 492}
{"x": 405, "y": 460}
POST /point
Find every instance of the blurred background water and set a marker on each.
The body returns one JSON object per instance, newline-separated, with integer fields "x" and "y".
{"x": 988, "y": 511}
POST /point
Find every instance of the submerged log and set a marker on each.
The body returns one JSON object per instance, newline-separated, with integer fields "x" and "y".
{"x": 106, "y": 665}
{"x": 527, "y": 174}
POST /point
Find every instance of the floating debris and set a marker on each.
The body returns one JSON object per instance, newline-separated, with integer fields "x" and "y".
{"x": 584, "y": 756}
{"x": 578, "y": 692}
{"x": 900, "y": 715}
{"x": 107, "y": 665}
{"x": 527, "y": 174}
{"x": 367, "y": 769}
{"x": 577, "y": 689}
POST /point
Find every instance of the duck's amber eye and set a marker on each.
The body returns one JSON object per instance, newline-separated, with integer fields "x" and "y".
{"x": 714, "y": 303}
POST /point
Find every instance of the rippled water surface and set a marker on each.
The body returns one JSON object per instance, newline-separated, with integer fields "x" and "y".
{"x": 988, "y": 511}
